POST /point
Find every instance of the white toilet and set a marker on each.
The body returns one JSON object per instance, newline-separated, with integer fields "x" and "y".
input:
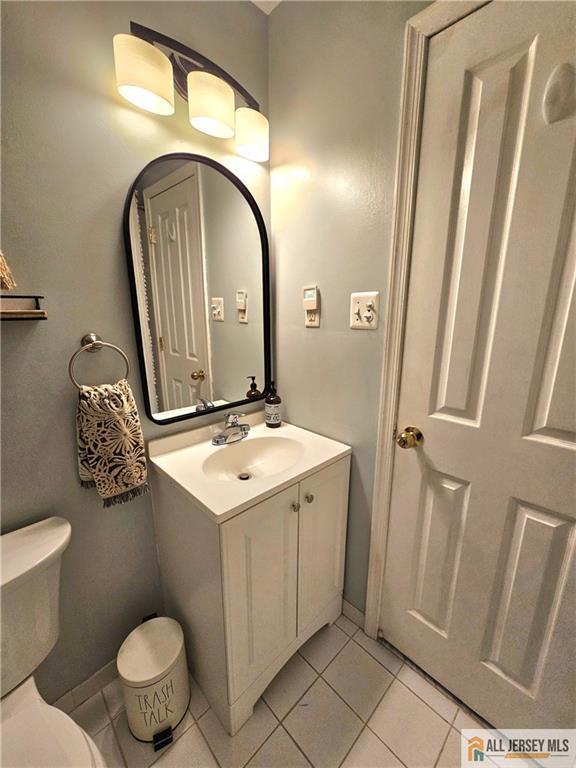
{"x": 35, "y": 734}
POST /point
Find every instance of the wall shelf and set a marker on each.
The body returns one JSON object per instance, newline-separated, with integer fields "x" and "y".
{"x": 18, "y": 306}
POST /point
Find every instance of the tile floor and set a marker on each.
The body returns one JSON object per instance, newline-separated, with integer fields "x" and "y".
{"x": 342, "y": 700}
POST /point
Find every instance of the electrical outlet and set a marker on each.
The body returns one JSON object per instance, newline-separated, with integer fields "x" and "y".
{"x": 364, "y": 310}
{"x": 312, "y": 318}
{"x": 217, "y": 309}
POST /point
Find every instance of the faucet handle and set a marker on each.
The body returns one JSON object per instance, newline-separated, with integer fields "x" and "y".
{"x": 232, "y": 418}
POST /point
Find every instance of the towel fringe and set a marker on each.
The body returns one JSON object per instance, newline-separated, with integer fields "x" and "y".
{"x": 122, "y": 498}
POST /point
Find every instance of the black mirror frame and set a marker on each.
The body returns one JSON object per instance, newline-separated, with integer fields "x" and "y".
{"x": 266, "y": 308}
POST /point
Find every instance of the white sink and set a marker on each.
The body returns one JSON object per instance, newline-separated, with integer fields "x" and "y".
{"x": 249, "y": 459}
{"x": 210, "y": 475}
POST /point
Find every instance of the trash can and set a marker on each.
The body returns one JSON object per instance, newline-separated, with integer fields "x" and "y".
{"x": 154, "y": 676}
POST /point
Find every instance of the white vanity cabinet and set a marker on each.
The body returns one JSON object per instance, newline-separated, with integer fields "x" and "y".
{"x": 251, "y": 589}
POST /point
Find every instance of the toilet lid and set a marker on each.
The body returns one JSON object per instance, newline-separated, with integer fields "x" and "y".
{"x": 41, "y": 736}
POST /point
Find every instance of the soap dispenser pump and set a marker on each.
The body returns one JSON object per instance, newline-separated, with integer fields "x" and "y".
{"x": 272, "y": 406}
{"x": 253, "y": 391}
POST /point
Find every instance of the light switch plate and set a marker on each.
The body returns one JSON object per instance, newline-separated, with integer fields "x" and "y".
{"x": 217, "y": 309}
{"x": 364, "y": 310}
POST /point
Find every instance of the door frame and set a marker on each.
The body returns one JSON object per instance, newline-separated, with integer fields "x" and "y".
{"x": 418, "y": 31}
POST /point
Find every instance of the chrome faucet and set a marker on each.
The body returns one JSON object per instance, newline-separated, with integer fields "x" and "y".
{"x": 233, "y": 431}
{"x": 204, "y": 404}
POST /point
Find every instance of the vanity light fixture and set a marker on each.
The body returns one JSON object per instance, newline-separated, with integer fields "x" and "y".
{"x": 150, "y": 66}
{"x": 143, "y": 74}
{"x": 252, "y": 135}
{"x": 210, "y": 104}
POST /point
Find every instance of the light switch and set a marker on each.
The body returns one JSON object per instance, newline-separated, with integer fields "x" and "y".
{"x": 364, "y": 312}
{"x": 311, "y": 301}
{"x": 242, "y": 306}
{"x": 217, "y": 309}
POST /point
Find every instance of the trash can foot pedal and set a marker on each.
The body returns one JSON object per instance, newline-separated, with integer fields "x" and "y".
{"x": 163, "y": 738}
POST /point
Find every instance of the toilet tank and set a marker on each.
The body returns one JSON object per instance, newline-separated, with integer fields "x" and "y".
{"x": 30, "y": 596}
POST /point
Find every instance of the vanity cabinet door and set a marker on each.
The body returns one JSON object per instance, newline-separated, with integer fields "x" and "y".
{"x": 322, "y": 537}
{"x": 260, "y": 562}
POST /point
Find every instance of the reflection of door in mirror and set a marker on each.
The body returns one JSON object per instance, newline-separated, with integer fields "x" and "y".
{"x": 195, "y": 238}
{"x": 177, "y": 288}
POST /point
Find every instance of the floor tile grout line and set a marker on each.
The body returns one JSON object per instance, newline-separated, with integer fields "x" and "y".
{"x": 443, "y": 745}
{"x": 114, "y": 734}
{"x": 435, "y": 684}
{"x": 119, "y": 743}
{"x": 197, "y": 723}
{"x": 364, "y": 722}
{"x": 394, "y": 676}
{"x": 321, "y": 676}
{"x": 348, "y": 638}
{"x": 266, "y": 740}
{"x": 386, "y": 745}
{"x": 301, "y": 697}
{"x": 448, "y": 722}
{"x": 351, "y": 747}
{"x": 377, "y": 659}
{"x": 298, "y": 747}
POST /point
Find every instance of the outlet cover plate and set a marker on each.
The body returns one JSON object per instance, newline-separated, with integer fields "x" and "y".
{"x": 365, "y": 310}
{"x": 312, "y": 318}
{"x": 217, "y": 309}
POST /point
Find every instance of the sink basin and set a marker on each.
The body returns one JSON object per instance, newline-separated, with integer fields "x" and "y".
{"x": 267, "y": 463}
{"x": 259, "y": 457}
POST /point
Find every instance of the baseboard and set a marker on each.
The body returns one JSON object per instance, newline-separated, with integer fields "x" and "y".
{"x": 352, "y": 613}
{"x": 80, "y": 693}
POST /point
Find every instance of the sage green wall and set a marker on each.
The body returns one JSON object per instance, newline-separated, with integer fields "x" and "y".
{"x": 335, "y": 76}
{"x": 71, "y": 150}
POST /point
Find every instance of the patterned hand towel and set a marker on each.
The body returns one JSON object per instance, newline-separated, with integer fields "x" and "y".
{"x": 111, "y": 456}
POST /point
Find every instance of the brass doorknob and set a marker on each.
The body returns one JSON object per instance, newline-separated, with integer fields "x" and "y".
{"x": 198, "y": 375}
{"x": 410, "y": 437}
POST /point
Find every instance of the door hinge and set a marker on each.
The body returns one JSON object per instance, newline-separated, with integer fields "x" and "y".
{"x": 152, "y": 235}
{"x": 161, "y": 343}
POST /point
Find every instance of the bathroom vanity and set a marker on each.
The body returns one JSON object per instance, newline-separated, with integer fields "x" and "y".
{"x": 252, "y": 568}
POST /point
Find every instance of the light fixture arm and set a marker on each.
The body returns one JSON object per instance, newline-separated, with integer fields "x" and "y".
{"x": 184, "y": 60}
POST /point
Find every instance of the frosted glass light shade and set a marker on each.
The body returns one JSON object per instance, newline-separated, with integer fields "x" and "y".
{"x": 210, "y": 104}
{"x": 252, "y": 135}
{"x": 143, "y": 74}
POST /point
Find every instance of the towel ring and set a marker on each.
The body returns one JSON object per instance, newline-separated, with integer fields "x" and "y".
{"x": 92, "y": 343}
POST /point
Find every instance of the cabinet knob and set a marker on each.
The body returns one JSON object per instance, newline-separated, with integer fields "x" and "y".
{"x": 295, "y": 506}
{"x": 309, "y": 498}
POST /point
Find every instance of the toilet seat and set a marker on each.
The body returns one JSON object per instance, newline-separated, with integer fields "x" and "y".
{"x": 37, "y": 735}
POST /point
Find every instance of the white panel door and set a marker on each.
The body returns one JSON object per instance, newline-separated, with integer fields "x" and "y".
{"x": 177, "y": 274}
{"x": 259, "y": 560}
{"x": 480, "y": 580}
{"x": 322, "y": 538}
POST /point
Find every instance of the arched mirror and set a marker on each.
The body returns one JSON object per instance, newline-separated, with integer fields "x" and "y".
{"x": 198, "y": 261}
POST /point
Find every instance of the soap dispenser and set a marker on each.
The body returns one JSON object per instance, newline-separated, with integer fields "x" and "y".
{"x": 272, "y": 406}
{"x": 253, "y": 391}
